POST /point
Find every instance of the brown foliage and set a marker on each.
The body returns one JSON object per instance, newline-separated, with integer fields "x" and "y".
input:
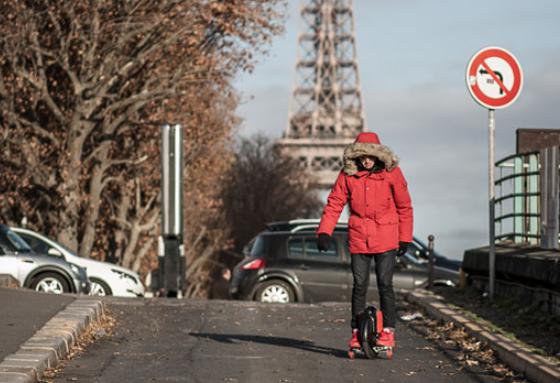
{"x": 84, "y": 87}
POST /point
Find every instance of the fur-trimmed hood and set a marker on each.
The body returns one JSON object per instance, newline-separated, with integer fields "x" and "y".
{"x": 368, "y": 144}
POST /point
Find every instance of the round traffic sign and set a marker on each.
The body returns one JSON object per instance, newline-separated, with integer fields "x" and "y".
{"x": 494, "y": 78}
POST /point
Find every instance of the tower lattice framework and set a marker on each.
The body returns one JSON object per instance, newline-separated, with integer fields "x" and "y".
{"x": 326, "y": 106}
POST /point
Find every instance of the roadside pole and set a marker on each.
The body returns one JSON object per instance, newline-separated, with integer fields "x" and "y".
{"x": 494, "y": 80}
{"x": 171, "y": 255}
{"x": 492, "y": 200}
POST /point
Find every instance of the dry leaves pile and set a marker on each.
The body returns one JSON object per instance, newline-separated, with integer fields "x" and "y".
{"x": 515, "y": 317}
{"x": 104, "y": 327}
{"x": 469, "y": 352}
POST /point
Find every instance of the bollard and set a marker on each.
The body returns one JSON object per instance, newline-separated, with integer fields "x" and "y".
{"x": 171, "y": 254}
{"x": 431, "y": 239}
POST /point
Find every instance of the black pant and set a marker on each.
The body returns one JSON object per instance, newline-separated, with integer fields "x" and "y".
{"x": 384, "y": 267}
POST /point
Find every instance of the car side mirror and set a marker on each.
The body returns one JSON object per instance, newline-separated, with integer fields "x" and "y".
{"x": 55, "y": 253}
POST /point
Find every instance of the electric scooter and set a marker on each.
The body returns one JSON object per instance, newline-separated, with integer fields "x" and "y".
{"x": 369, "y": 330}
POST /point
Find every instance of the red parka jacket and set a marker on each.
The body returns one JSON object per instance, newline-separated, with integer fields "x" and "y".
{"x": 380, "y": 205}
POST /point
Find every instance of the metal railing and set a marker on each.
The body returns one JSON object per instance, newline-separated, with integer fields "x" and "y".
{"x": 517, "y": 205}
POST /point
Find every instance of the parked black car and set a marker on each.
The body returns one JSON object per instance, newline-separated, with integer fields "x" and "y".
{"x": 282, "y": 264}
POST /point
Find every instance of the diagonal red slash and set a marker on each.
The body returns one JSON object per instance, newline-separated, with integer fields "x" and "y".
{"x": 493, "y": 75}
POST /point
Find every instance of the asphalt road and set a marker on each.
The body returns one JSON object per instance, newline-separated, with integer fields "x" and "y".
{"x": 22, "y": 313}
{"x": 163, "y": 340}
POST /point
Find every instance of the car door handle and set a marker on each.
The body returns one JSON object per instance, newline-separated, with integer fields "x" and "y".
{"x": 304, "y": 267}
{"x": 28, "y": 261}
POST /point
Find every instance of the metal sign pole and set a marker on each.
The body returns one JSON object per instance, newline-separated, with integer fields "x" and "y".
{"x": 491, "y": 198}
{"x": 494, "y": 79}
{"x": 170, "y": 247}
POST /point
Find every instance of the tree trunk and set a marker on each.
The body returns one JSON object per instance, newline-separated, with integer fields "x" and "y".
{"x": 69, "y": 189}
{"x": 92, "y": 213}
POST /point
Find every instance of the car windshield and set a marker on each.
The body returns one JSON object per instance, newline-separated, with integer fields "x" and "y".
{"x": 19, "y": 244}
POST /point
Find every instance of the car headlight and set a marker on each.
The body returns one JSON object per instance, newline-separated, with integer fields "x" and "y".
{"x": 124, "y": 275}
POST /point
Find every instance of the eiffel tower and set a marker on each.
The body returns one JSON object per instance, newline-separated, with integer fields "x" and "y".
{"x": 326, "y": 106}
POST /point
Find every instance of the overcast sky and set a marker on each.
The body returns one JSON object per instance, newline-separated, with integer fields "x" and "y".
{"x": 412, "y": 57}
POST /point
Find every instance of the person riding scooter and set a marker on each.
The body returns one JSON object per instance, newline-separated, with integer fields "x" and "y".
{"x": 379, "y": 227}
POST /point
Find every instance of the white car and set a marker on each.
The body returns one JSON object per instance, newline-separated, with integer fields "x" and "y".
{"x": 39, "y": 271}
{"x": 106, "y": 278}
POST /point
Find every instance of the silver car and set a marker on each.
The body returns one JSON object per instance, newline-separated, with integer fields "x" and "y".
{"x": 36, "y": 271}
{"x": 106, "y": 278}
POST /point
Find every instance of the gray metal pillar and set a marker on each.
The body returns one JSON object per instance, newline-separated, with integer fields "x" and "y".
{"x": 171, "y": 254}
{"x": 491, "y": 204}
{"x": 550, "y": 194}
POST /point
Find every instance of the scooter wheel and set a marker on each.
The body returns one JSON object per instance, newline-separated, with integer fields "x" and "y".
{"x": 351, "y": 354}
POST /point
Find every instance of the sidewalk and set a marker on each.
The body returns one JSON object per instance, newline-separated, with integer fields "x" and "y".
{"x": 37, "y": 330}
{"x": 537, "y": 368}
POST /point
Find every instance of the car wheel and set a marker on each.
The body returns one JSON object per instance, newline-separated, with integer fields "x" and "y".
{"x": 50, "y": 283}
{"x": 275, "y": 291}
{"x": 99, "y": 288}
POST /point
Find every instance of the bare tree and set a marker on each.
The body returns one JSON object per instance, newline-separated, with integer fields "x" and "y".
{"x": 264, "y": 186}
{"x": 84, "y": 86}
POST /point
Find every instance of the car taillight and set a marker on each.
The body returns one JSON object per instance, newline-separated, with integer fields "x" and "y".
{"x": 254, "y": 265}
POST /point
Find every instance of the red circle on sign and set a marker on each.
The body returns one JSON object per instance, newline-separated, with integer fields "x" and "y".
{"x": 510, "y": 95}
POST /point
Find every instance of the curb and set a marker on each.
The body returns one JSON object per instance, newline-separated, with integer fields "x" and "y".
{"x": 51, "y": 343}
{"x": 535, "y": 367}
